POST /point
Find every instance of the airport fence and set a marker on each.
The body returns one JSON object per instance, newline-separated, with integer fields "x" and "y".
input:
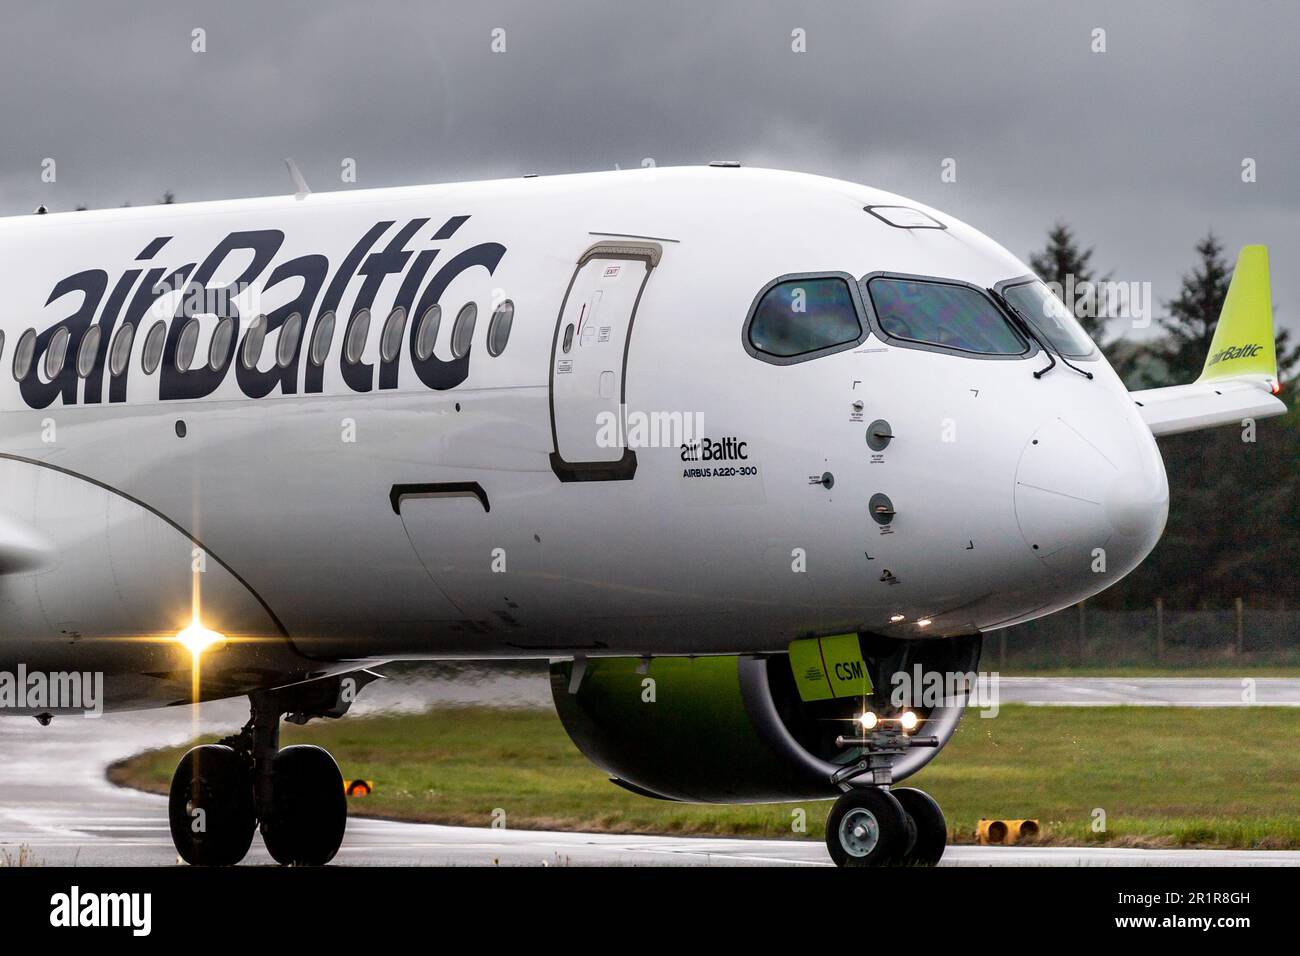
{"x": 1082, "y": 636}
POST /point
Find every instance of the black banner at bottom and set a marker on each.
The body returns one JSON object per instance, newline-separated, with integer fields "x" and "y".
{"x": 365, "y": 907}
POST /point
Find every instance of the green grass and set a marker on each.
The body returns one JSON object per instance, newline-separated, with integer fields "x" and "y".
{"x": 1163, "y": 776}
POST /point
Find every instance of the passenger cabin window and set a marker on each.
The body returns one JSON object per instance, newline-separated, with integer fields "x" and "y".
{"x": 186, "y": 345}
{"x": 321, "y": 339}
{"x": 354, "y": 343}
{"x": 804, "y": 317}
{"x": 1035, "y": 303}
{"x": 426, "y": 336}
{"x": 945, "y": 314}
{"x": 462, "y": 333}
{"x": 499, "y": 327}
{"x": 120, "y": 354}
{"x": 154, "y": 341}
{"x": 89, "y": 350}
{"x": 56, "y": 352}
{"x": 24, "y": 352}
{"x": 254, "y": 339}
{"x": 286, "y": 345}
{"x": 390, "y": 339}
{"x": 219, "y": 347}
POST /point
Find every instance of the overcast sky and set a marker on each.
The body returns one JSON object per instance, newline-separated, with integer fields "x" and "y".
{"x": 1140, "y": 147}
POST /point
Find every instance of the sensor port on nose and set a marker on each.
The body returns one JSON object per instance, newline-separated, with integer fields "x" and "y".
{"x": 881, "y": 508}
{"x": 879, "y": 435}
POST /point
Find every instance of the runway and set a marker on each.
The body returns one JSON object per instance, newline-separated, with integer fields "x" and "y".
{"x": 58, "y": 809}
{"x": 1151, "y": 691}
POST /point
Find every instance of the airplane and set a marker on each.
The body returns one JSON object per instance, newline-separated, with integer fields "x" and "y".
{"x": 732, "y": 448}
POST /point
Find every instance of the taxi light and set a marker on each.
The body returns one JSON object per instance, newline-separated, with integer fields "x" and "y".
{"x": 895, "y": 618}
{"x": 196, "y": 638}
{"x": 908, "y": 720}
{"x": 924, "y": 622}
{"x": 868, "y": 721}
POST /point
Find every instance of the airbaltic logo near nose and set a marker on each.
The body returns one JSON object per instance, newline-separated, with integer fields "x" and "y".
{"x": 320, "y": 291}
{"x": 1231, "y": 353}
{"x": 723, "y": 449}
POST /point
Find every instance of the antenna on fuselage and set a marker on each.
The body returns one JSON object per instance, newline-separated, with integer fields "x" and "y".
{"x": 300, "y": 187}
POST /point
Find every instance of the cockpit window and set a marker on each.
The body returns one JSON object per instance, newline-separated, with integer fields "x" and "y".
{"x": 945, "y": 314}
{"x": 802, "y": 317}
{"x": 1051, "y": 319}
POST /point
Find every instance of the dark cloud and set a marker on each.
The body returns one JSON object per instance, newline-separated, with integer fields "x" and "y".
{"x": 1139, "y": 147}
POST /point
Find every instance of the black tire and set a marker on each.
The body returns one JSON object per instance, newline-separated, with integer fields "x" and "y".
{"x": 928, "y": 824}
{"x": 210, "y": 807}
{"x": 866, "y": 827}
{"x": 309, "y": 809}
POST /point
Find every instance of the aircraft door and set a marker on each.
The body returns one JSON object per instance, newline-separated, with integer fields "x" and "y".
{"x": 589, "y": 361}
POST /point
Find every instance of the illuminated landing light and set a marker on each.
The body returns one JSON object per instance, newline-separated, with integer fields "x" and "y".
{"x": 868, "y": 721}
{"x": 908, "y": 720}
{"x": 895, "y": 618}
{"x": 197, "y": 638}
{"x": 924, "y": 622}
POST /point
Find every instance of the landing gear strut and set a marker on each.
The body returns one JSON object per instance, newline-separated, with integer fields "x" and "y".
{"x": 221, "y": 792}
{"x": 872, "y": 825}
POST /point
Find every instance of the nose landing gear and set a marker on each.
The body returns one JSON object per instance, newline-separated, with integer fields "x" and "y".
{"x": 867, "y": 827}
{"x": 872, "y": 825}
{"x": 928, "y": 829}
{"x": 221, "y": 792}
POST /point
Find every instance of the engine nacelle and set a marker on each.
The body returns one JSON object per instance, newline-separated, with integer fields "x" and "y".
{"x": 735, "y": 729}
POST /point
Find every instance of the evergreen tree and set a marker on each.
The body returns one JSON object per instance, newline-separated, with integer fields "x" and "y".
{"x": 1193, "y": 315}
{"x": 1287, "y": 357}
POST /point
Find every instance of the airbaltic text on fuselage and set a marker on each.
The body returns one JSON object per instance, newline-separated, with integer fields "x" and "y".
{"x": 322, "y": 290}
{"x": 723, "y": 449}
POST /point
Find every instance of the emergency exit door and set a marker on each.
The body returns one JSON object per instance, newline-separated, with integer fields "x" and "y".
{"x": 589, "y": 362}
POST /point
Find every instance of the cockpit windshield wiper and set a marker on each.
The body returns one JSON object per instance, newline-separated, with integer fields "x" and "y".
{"x": 1033, "y": 333}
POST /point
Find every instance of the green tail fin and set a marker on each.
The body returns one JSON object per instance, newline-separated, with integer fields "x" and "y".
{"x": 1243, "y": 340}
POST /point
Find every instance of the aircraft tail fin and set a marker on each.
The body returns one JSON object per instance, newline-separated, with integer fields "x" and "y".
{"x": 1243, "y": 339}
{"x": 1239, "y": 378}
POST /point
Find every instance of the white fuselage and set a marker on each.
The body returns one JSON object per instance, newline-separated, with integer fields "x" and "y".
{"x": 378, "y": 510}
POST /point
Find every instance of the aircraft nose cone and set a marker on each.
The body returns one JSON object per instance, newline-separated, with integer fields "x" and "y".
{"x": 1137, "y": 505}
{"x": 1091, "y": 501}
